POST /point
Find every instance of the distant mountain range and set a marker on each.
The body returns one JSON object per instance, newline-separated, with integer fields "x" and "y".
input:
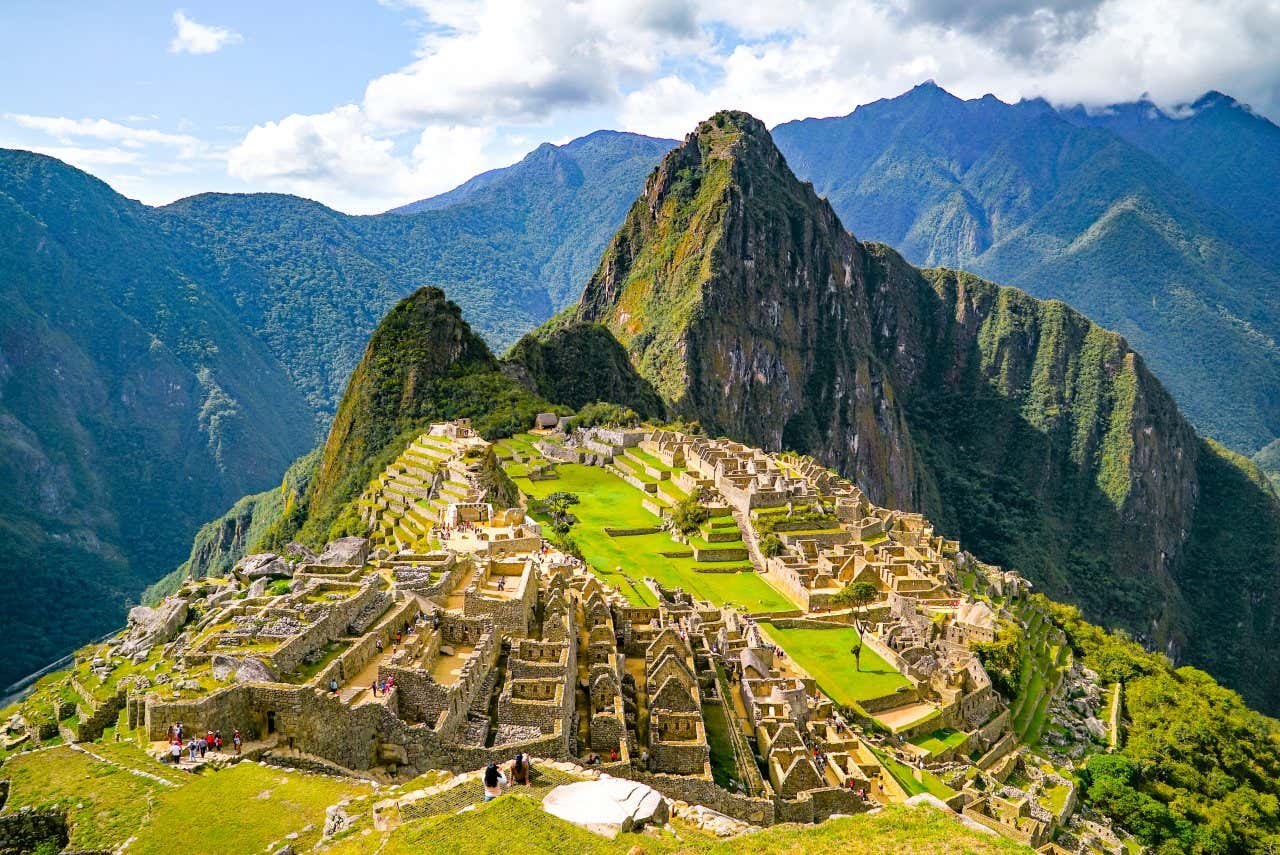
{"x": 1164, "y": 229}
{"x": 156, "y": 363}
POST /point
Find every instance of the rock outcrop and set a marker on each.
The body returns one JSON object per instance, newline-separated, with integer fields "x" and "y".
{"x": 151, "y": 626}
{"x": 607, "y": 806}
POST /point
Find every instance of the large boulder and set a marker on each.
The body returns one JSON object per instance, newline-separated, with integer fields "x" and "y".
{"x": 608, "y": 806}
{"x": 254, "y": 670}
{"x": 151, "y": 626}
{"x": 345, "y": 552}
{"x": 264, "y": 565}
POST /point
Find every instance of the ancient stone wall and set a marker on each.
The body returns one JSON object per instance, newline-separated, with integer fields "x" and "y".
{"x": 25, "y": 829}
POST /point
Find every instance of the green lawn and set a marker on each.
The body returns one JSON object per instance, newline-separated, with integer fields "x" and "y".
{"x": 240, "y": 809}
{"x": 905, "y": 776}
{"x": 515, "y": 822}
{"x": 105, "y": 804}
{"x": 824, "y": 653}
{"x": 608, "y": 501}
{"x": 939, "y": 740}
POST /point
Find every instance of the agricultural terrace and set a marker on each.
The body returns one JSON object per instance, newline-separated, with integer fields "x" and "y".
{"x": 609, "y": 502}
{"x": 824, "y": 653}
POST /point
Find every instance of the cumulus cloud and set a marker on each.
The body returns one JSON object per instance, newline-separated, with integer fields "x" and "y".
{"x": 489, "y": 74}
{"x": 193, "y": 37}
{"x": 336, "y": 158}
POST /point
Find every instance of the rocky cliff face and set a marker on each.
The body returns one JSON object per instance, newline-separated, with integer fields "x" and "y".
{"x": 1038, "y": 438}
{"x": 741, "y": 298}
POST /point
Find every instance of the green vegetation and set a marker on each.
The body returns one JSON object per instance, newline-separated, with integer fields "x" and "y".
{"x": 688, "y": 515}
{"x": 825, "y": 654}
{"x": 1003, "y": 658}
{"x": 240, "y": 809}
{"x": 906, "y": 778}
{"x": 940, "y": 740}
{"x": 105, "y": 803}
{"x": 516, "y": 820}
{"x": 423, "y": 364}
{"x": 608, "y": 501}
{"x": 1198, "y": 771}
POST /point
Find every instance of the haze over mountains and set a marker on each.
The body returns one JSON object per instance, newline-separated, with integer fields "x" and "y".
{"x": 196, "y": 348}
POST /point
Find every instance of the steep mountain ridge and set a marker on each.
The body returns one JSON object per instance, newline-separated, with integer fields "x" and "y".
{"x": 1122, "y": 222}
{"x": 1027, "y": 430}
{"x": 734, "y": 307}
{"x": 423, "y": 364}
{"x": 133, "y": 407}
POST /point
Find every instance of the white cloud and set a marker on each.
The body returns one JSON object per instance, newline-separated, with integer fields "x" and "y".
{"x": 489, "y": 74}
{"x": 67, "y": 130}
{"x": 194, "y": 37}
{"x": 336, "y": 158}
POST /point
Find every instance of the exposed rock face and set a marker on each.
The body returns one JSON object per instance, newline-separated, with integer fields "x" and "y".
{"x": 740, "y": 296}
{"x": 608, "y": 806}
{"x": 264, "y": 565}
{"x": 345, "y": 552}
{"x": 151, "y": 626}
{"x": 254, "y": 670}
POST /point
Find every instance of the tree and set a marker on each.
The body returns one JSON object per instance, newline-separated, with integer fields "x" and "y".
{"x": 688, "y": 515}
{"x": 857, "y": 596}
{"x": 556, "y": 506}
{"x": 771, "y": 545}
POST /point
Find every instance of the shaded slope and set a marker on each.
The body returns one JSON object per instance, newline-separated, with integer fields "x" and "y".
{"x": 1144, "y": 238}
{"x": 133, "y": 406}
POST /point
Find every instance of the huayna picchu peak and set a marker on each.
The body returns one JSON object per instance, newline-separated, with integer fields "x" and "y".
{"x": 772, "y": 542}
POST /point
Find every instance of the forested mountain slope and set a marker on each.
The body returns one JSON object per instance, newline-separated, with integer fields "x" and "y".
{"x": 158, "y": 363}
{"x": 1146, "y": 227}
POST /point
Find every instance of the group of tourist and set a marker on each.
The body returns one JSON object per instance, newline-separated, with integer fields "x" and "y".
{"x": 495, "y": 777}
{"x": 384, "y": 685}
{"x": 197, "y": 746}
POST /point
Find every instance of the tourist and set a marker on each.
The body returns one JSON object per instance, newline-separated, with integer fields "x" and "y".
{"x": 494, "y": 781}
{"x": 237, "y": 740}
{"x": 613, "y": 755}
{"x": 374, "y": 687}
{"x": 379, "y": 646}
{"x": 175, "y": 752}
{"x": 520, "y": 770}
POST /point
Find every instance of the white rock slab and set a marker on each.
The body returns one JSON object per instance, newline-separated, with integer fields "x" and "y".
{"x": 607, "y": 806}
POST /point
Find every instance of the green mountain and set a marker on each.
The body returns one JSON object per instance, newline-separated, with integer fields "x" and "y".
{"x": 1143, "y": 225}
{"x": 511, "y": 247}
{"x": 157, "y": 363}
{"x": 133, "y": 406}
{"x": 1033, "y": 435}
{"x": 423, "y": 364}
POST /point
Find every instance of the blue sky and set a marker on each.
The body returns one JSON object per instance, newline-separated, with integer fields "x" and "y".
{"x": 365, "y": 105}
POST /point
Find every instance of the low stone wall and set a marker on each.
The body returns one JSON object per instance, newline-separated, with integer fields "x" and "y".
{"x": 654, "y": 508}
{"x": 24, "y": 830}
{"x": 630, "y": 532}
{"x": 721, "y": 553}
{"x": 703, "y": 791}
